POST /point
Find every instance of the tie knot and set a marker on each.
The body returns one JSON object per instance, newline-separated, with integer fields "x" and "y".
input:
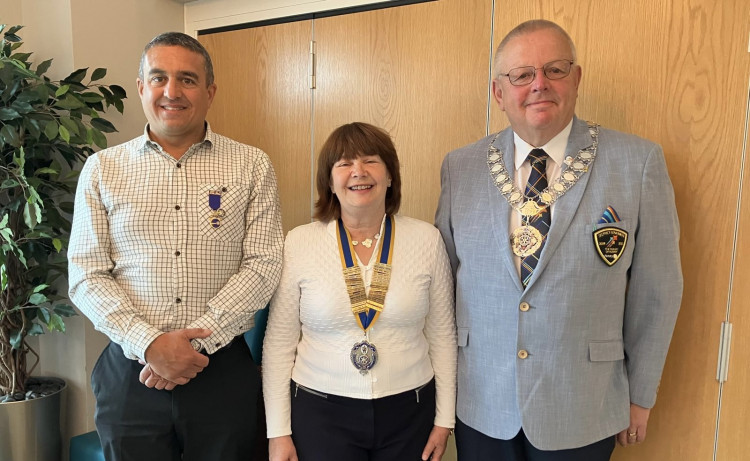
{"x": 537, "y": 156}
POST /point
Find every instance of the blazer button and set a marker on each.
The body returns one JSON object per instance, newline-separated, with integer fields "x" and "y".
{"x": 524, "y": 306}
{"x": 522, "y": 354}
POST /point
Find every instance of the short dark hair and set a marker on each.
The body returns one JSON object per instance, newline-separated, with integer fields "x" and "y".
{"x": 184, "y": 41}
{"x": 351, "y": 141}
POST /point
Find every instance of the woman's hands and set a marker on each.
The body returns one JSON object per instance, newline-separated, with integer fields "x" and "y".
{"x": 436, "y": 443}
{"x": 282, "y": 449}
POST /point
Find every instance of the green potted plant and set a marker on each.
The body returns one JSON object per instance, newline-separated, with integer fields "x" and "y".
{"x": 46, "y": 129}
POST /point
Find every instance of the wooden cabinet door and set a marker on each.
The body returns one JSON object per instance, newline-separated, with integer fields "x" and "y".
{"x": 735, "y": 403}
{"x": 418, "y": 71}
{"x": 264, "y": 100}
{"x": 675, "y": 73}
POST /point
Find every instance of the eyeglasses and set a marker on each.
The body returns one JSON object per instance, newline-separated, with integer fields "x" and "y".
{"x": 554, "y": 70}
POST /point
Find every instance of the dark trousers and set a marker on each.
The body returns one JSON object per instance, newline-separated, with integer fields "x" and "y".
{"x": 393, "y": 428}
{"x": 213, "y": 417}
{"x": 472, "y": 445}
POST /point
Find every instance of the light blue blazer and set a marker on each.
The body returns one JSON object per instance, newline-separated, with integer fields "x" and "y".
{"x": 596, "y": 336}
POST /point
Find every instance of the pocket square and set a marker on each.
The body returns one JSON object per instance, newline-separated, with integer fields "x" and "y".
{"x": 609, "y": 216}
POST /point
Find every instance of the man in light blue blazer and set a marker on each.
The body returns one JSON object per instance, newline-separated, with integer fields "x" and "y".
{"x": 563, "y": 238}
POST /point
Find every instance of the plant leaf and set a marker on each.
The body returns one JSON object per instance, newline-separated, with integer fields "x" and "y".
{"x": 70, "y": 124}
{"x": 10, "y": 136}
{"x": 62, "y": 90}
{"x": 45, "y": 170}
{"x": 7, "y": 234}
{"x": 118, "y": 91}
{"x": 70, "y": 102}
{"x": 43, "y": 315}
{"x": 56, "y": 323}
{"x": 43, "y": 66}
{"x": 99, "y": 138}
{"x": 41, "y": 287}
{"x": 57, "y": 243}
{"x": 35, "y": 330}
{"x": 76, "y": 76}
{"x": 6, "y": 113}
{"x": 98, "y": 74}
{"x": 7, "y": 184}
{"x": 50, "y": 130}
{"x": 16, "y": 338}
{"x": 65, "y": 310}
{"x": 91, "y": 97}
{"x": 37, "y": 299}
{"x": 64, "y": 133}
{"x": 30, "y": 213}
{"x": 103, "y": 125}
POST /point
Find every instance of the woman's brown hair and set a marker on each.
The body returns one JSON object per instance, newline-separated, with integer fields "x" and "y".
{"x": 351, "y": 141}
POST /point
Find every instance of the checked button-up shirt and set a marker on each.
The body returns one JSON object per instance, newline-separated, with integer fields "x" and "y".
{"x": 160, "y": 244}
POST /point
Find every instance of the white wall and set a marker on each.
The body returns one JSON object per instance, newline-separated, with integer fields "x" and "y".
{"x": 208, "y": 14}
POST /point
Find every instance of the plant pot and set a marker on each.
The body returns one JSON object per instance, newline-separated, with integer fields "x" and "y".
{"x": 30, "y": 429}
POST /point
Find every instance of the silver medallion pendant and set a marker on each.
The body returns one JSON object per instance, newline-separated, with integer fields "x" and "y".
{"x": 525, "y": 240}
{"x": 364, "y": 355}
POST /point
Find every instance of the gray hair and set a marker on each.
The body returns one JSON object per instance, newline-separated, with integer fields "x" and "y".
{"x": 525, "y": 28}
{"x": 184, "y": 41}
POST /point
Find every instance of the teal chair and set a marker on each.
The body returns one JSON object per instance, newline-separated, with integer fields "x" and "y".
{"x": 254, "y": 336}
{"x": 87, "y": 447}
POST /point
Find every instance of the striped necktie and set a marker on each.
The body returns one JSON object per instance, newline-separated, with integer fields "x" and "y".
{"x": 537, "y": 183}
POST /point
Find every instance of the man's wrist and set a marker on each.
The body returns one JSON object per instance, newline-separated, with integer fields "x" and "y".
{"x": 197, "y": 346}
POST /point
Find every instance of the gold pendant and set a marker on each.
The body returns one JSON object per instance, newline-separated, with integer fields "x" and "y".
{"x": 525, "y": 240}
{"x": 530, "y": 208}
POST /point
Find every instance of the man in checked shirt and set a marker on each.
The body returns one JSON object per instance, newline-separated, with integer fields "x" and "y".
{"x": 176, "y": 243}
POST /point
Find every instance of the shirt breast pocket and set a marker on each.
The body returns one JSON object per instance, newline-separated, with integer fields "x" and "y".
{"x": 221, "y": 211}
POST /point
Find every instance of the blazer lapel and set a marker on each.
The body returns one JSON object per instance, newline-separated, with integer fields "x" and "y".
{"x": 567, "y": 205}
{"x": 499, "y": 208}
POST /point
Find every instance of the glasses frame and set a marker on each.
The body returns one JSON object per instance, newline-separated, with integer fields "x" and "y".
{"x": 543, "y": 69}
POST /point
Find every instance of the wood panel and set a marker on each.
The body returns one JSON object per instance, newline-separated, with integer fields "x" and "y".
{"x": 418, "y": 71}
{"x": 735, "y": 408}
{"x": 675, "y": 73}
{"x": 264, "y": 100}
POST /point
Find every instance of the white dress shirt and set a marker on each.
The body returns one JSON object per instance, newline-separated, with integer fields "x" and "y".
{"x": 555, "y": 149}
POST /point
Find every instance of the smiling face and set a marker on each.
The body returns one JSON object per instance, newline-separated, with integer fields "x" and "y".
{"x": 175, "y": 95}
{"x": 542, "y": 109}
{"x": 360, "y": 184}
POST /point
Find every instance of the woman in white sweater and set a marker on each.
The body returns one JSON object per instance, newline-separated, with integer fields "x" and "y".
{"x": 359, "y": 358}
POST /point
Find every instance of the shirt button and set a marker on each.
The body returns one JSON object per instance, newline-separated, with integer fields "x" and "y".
{"x": 524, "y": 307}
{"x": 178, "y": 300}
{"x": 522, "y": 354}
{"x": 177, "y": 253}
{"x": 177, "y": 207}
{"x": 179, "y": 165}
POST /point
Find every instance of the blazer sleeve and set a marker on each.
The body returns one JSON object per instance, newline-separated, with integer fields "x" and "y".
{"x": 443, "y": 215}
{"x": 655, "y": 286}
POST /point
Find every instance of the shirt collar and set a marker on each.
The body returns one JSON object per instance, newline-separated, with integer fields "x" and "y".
{"x": 145, "y": 143}
{"x": 555, "y": 148}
